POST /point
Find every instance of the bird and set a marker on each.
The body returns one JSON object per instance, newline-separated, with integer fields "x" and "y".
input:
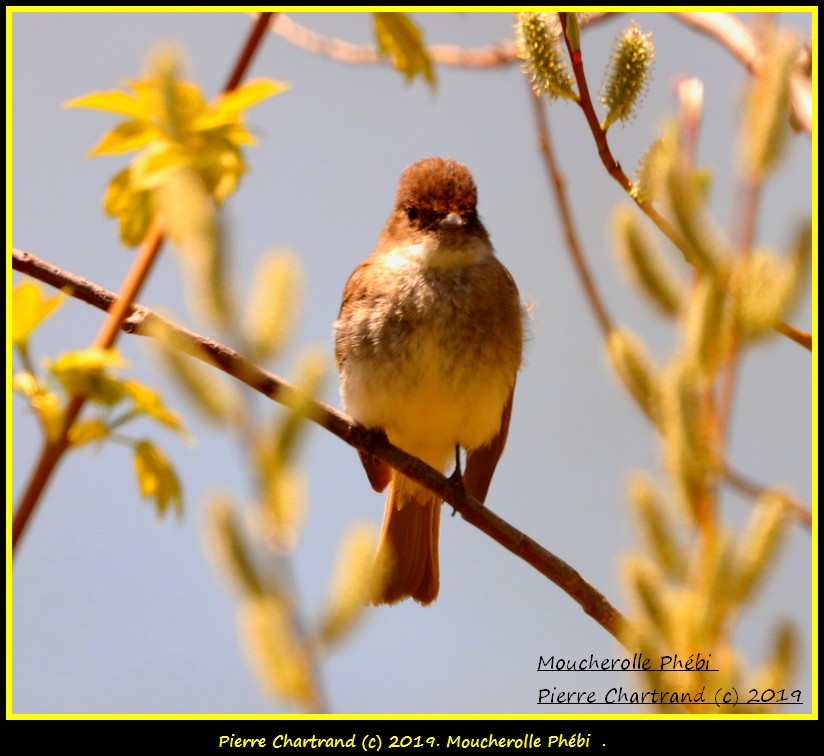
{"x": 428, "y": 343}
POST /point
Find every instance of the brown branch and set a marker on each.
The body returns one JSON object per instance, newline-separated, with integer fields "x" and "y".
{"x": 613, "y": 168}
{"x": 143, "y": 321}
{"x": 264, "y": 20}
{"x": 744, "y": 485}
{"x": 565, "y": 211}
{"x": 734, "y": 479}
{"x": 52, "y": 451}
{"x": 500, "y": 54}
{"x": 799, "y": 337}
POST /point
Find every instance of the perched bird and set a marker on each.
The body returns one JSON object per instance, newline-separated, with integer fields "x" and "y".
{"x": 428, "y": 343}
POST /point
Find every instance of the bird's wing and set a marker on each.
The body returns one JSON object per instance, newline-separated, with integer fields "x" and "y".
{"x": 481, "y": 462}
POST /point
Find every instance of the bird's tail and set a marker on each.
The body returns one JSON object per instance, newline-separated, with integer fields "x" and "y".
{"x": 406, "y": 562}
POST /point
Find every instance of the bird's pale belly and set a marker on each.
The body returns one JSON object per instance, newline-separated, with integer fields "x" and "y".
{"x": 428, "y": 400}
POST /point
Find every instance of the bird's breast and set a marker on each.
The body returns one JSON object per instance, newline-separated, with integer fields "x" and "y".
{"x": 432, "y": 356}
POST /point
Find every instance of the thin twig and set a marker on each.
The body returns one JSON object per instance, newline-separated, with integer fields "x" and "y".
{"x": 52, "y": 451}
{"x": 749, "y": 194}
{"x": 613, "y": 168}
{"x": 567, "y": 221}
{"x": 143, "y": 321}
{"x": 734, "y": 479}
{"x": 744, "y": 485}
{"x": 500, "y": 54}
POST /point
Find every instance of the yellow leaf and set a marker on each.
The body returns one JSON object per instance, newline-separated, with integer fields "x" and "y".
{"x": 176, "y": 128}
{"x": 25, "y": 383}
{"x": 84, "y": 373}
{"x": 45, "y": 403}
{"x": 29, "y": 308}
{"x": 230, "y": 104}
{"x": 400, "y": 39}
{"x": 276, "y": 652}
{"x": 210, "y": 392}
{"x": 134, "y": 224}
{"x": 119, "y": 194}
{"x": 86, "y": 431}
{"x": 758, "y": 544}
{"x": 156, "y": 477}
{"x": 150, "y": 403}
{"x": 221, "y": 164}
{"x": 92, "y": 358}
{"x": 239, "y": 135}
{"x": 133, "y": 207}
{"x": 284, "y": 508}
{"x": 186, "y": 103}
{"x": 130, "y": 135}
{"x": 272, "y": 303}
{"x": 114, "y": 101}
{"x": 231, "y": 550}
{"x": 47, "y": 406}
{"x": 156, "y": 164}
{"x": 766, "y": 286}
{"x": 352, "y": 583}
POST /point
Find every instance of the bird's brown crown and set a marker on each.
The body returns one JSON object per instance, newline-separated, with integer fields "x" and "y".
{"x": 436, "y": 187}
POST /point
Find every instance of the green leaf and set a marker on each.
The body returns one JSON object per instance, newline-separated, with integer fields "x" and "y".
{"x": 645, "y": 264}
{"x": 400, "y": 39}
{"x": 628, "y": 75}
{"x": 538, "y": 41}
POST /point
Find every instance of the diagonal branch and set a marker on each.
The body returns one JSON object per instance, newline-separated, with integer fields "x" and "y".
{"x": 143, "y": 321}
{"x": 613, "y": 168}
{"x": 567, "y": 221}
{"x": 733, "y": 478}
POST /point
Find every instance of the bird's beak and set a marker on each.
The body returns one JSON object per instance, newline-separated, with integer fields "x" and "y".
{"x": 453, "y": 220}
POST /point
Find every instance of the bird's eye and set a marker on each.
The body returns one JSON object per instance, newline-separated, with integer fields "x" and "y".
{"x": 412, "y": 213}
